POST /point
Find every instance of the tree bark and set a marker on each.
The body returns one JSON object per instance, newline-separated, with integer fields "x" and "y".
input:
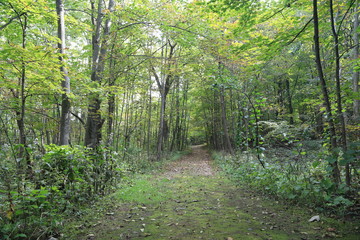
{"x": 94, "y": 122}
{"x": 65, "y": 103}
{"x": 356, "y": 74}
{"x": 289, "y": 101}
{"x": 111, "y": 100}
{"x": 340, "y": 113}
{"x": 330, "y": 120}
{"x": 227, "y": 141}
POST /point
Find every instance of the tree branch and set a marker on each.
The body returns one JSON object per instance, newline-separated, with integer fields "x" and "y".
{"x": 156, "y": 78}
{"x": 78, "y": 118}
{"x": 302, "y": 30}
{"x": 10, "y": 20}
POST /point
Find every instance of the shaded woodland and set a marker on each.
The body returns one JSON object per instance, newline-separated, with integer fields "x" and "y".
{"x": 92, "y": 91}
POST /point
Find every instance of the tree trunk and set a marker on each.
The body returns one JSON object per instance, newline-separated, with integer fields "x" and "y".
{"x": 338, "y": 90}
{"x": 94, "y": 122}
{"x": 176, "y": 128}
{"x": 162, "y": 125}
{"x": 289, "y": 101}
{"x": 65, "y": 103}
{"x": 111, "y": 101}
{"x": 20, "y": 113}
{"x": 356, "y": 73}
{"x": 149, "y": 119}
{"x": 227, "y": 141}
{"x": 164, "y": 88}
{"x": 333, "y": 143}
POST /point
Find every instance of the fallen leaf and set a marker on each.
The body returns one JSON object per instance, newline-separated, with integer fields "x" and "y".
{"x": 314, "y": 218}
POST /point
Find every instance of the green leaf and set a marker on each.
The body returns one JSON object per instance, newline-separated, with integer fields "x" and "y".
{"x": 315, "y": 164}
{"x": 21, "y": 235}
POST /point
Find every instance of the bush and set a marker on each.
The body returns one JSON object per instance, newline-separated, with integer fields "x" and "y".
{"x": 32, "y": 206}
{"x": 309, "y": 184}
{"x": 284, "y": 134}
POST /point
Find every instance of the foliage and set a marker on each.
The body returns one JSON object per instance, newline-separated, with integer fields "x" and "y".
{"x": 238, "y": 75}
{"x": 291, "y": 176}
{"x": 283, "y": 134}
{"x": 65, "y": 177}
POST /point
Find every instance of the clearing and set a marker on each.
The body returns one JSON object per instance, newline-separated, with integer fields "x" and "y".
{"x": 190, "y": 199}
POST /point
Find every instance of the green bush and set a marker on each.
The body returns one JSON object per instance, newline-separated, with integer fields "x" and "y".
{"x": 62, "y": 179}
{"x": 284, "y": 134}
{"x": 309, "y": 184}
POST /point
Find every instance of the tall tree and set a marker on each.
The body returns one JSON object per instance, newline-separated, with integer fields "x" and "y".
{"x": 65, "y": 103}
{"x": 332, "y": 132}
{"x": 164, "y": 82}
{"x": 356, "y": 73}
{"x": 224, "y": 120}
{"x": 342, "y": 127}
{"x": 95, "y": 121}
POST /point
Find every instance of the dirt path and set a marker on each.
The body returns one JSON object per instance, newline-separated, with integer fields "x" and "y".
{"x": 191, "y": 200}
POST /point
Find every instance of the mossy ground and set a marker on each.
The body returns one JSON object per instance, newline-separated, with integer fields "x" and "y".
{"x": 190, "y": 200}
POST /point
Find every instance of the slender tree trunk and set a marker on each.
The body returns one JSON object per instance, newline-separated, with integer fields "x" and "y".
{"x": 338, "y": 90}
{"x": 111, "y": 102}
{"x": 149, "y": 119}
{"x": 20, "y": 112}
{"x": 126, "y": 123}
{"x": 65, "y": 103}
{"x": 184, "y": 124}
{"x": 161, "y": 126}
{"x": 176, "y": 128}
{"x": 333, "y": 143}
{"x": 289, "y": 100}
{"x": 356, "y": 73}
{"x": 111, "y": 112}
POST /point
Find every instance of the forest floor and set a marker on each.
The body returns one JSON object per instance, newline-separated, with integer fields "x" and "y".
{"x": 191, "y": 199}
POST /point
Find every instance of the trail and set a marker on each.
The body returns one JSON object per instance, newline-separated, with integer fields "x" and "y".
{"x": 192, "y": 200}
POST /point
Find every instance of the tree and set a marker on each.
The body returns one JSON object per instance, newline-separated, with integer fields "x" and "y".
{"x": 94, "y": 121}
{"x": 65, "y": 103}
{"x": 164, "y": 82}
{"x": 330, "y": 119}
{"x": 356, "y": 72}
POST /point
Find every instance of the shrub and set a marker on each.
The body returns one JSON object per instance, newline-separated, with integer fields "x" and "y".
{"x": 32, "y": 207}
{"x": 309, "y": 184}
{"x": 284, "y": 134}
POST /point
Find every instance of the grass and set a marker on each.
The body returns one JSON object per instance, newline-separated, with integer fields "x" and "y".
{"x": 143, "y": 191}
{"x": 156, "y": 206}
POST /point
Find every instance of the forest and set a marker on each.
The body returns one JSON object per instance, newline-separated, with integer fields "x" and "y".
{"x": 95, "y": 92}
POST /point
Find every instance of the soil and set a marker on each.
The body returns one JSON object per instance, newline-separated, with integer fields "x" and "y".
{"x": 191, "y": 199}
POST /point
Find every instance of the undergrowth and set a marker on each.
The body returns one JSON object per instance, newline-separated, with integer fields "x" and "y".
{"x": 61, "y": 182}
{"x": 302, "y": 181}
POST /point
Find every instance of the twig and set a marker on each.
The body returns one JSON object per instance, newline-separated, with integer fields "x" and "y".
{"x": 302, "y": 30}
